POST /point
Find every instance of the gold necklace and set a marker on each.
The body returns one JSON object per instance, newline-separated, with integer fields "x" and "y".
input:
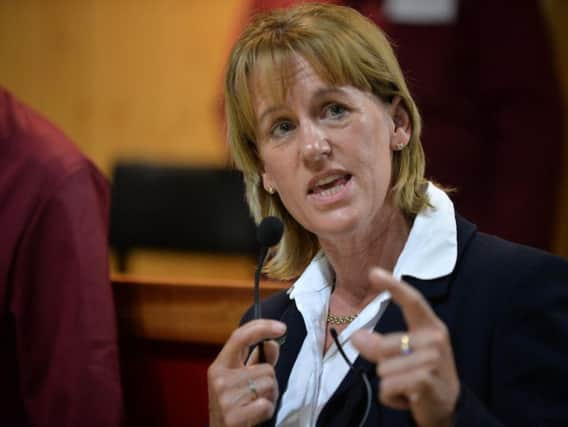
{"x": 340, "y": 320}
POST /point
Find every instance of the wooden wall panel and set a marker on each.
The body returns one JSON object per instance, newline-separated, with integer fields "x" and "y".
{"x": 123, "y": 78}
{"x": 557, "y": 13}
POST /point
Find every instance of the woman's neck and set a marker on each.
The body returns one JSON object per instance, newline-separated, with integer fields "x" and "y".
{"x": 353, "y": 256}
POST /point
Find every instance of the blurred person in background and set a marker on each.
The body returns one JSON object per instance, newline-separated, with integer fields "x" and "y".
{"x": 58, "y": 352}
{"x": 450, "y": 326}
{"x": 482, "y": 72}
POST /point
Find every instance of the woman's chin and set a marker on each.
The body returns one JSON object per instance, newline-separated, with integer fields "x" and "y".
{"x": 335, "y": 225}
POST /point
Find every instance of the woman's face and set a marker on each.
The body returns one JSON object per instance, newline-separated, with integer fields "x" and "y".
{"x": 327, "y": 150}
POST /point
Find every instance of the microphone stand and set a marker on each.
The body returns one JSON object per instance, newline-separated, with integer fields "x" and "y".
{"x": 269, "y": 233}
{"x": 257, "y": 309}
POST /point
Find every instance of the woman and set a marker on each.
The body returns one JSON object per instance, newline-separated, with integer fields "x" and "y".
{"x": 452, "y": 326}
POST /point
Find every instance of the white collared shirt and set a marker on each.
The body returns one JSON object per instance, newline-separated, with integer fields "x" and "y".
{"x": 430, "y": 252}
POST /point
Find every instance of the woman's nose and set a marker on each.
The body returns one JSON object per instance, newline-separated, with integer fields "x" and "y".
{"x": 315, "y": 145}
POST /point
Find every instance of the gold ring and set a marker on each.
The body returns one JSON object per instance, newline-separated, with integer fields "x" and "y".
{"x": 252, "y": 388}
{"x": 405, "y": 345}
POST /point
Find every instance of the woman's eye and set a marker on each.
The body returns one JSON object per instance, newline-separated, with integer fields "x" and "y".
{"x": 281, "y": 128}
{"x": 335, "y": 111}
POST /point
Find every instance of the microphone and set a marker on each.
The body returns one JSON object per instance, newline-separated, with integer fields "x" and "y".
{"x": 269, "y": 233}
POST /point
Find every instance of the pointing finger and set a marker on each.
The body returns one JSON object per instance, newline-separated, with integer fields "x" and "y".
{"x": 367, "y": 343}
{"x": 414, "y": 307}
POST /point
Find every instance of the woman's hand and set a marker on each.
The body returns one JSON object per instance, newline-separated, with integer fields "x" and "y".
{"x": 241, "y": 392}
{"x": 416, "y": 368}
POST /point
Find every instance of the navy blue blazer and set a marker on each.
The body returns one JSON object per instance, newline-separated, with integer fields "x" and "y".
{"x": 506, "y": 309}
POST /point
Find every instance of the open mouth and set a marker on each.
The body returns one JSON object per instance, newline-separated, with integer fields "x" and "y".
{"x": 329, "y": 185}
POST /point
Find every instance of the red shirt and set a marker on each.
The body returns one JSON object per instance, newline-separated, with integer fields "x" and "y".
{"x": 58, "y": 354}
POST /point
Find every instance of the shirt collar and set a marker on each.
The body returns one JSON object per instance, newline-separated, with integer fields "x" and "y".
{"x": 430, "y": 251}
{"x": 316, "y": 277}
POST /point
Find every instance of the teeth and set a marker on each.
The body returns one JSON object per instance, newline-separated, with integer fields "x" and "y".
{"x": 328, "y": 179}
{"x": 331, "y": 191}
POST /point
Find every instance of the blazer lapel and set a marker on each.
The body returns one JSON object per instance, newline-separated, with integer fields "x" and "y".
{"x": 289, "y": 348}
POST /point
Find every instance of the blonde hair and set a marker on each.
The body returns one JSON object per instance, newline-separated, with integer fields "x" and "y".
{"x": 344, "y": 48}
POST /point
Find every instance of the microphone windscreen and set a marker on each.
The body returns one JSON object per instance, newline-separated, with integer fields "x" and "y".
{"x": 269, "y": 231}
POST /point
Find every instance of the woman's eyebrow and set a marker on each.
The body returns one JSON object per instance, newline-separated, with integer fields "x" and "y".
{"x": 269, "y": 111}
{"x": 326, "y": 91}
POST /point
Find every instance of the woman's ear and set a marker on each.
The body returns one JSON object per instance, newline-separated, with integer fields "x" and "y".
{"x": 402, "y": 126}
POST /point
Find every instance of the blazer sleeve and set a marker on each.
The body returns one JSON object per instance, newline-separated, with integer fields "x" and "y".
{"x": 529, "y": 354}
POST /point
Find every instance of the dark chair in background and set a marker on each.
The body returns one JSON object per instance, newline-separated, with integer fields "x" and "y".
{"x": 179, "y": 208}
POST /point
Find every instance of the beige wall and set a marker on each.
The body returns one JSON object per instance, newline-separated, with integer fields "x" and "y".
{"x": 122, "y": 77}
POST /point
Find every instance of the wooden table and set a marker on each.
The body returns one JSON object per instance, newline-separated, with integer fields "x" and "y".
{"x": 170, "y": 331}
{"x": 202, "y": 310}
